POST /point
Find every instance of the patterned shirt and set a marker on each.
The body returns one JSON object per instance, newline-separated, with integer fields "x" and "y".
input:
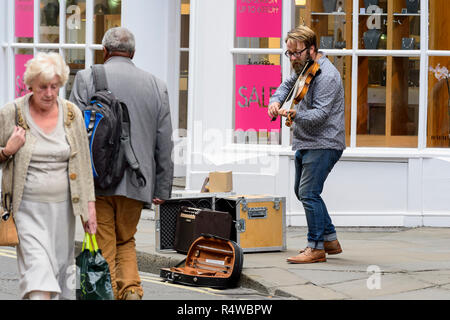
{"x": 320, "y": 119}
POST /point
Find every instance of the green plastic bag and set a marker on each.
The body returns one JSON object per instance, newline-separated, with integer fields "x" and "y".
{"x": 93, "y": 277}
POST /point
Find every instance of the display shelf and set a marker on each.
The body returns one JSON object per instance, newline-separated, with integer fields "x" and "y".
{"x": 407, "y": 14}
{"x": 328, "y": 13}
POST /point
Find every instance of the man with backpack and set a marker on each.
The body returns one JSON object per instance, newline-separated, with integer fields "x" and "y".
{"x": 138, "y": 107}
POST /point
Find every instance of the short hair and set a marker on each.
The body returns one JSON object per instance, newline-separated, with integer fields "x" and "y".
{"x": 119, "y": 39}
{"x": 47, "y": 66}
{"x": 303, "y": 34}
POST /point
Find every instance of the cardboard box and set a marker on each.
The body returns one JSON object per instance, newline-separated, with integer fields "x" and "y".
{"x": 220, "y": 181}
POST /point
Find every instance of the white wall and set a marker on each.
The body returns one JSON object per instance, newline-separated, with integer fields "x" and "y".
{"x": 3, "y": 62}
{"x": 211, "y": 78}
{"x": 153, "y": 22}
{"x": 436, "y": 191}
{"x": 156, "y": 26}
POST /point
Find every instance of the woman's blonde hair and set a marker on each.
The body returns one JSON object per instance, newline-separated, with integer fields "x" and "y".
{"x": 303, "y": 34}
{"x": 46, "y": 66}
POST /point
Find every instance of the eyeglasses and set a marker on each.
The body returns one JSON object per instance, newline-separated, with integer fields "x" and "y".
{"x": 296, "y": 54}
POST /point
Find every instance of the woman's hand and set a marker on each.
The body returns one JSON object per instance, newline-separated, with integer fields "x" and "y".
{"x": 15, "y": 142}
{"x": 91, "y": 225}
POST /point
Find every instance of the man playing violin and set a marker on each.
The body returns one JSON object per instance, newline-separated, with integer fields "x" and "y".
{"x": 318, "y": 138}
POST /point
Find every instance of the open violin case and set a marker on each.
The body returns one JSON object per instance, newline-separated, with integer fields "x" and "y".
{"x": 211, "y": 261}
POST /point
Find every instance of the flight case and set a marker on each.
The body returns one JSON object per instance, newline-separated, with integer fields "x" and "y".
{"x": 259, "y": 221}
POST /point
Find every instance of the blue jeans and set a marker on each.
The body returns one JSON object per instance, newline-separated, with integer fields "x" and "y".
{"x": 311, "y": 170}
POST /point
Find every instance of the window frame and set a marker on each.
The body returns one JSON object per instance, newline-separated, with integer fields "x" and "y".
{"x": 10, "y": 45}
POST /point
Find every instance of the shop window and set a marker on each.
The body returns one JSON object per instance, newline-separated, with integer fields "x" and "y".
{"x": 75, "y": 59}
{"x": 388, "y": 102}
{"x": 439, "y": 26}
{"x": 332, "y": 23}
{"x": 389, "y": 25}
{"x": 76, "y": 21}
{"x": 49, "y": 21}
{"x": 438, "y": 133}
{"x": 257, "y": 76}
{"x": 405, "y": 25}
{"x": 330, "y": 20}
{"x": 21, "y": 56}
{"x": 438, "y": 116}
{"x": 184, "y": 67}
{"x": 107, "y": 15}
{"x": 24, "y": 21}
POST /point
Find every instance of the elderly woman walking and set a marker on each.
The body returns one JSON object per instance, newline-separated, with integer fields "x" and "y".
{"x": 53, "y": 180}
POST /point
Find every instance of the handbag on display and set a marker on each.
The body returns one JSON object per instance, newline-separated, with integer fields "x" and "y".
{"x": 412, "y": 6}
{"x": 8, "y": 230}
{"x": 329, "y": 5}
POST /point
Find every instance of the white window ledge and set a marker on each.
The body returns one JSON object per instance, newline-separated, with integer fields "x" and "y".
{"x": 350, "y": 154}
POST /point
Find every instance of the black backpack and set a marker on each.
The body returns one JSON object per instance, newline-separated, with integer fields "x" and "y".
{"x": 108, "y": 127}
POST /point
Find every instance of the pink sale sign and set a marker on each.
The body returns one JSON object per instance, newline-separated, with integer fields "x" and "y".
{"x": 24, "y": 18}
{"x": 20, "y": 61}
{"x": 258, "y": 18}
{"x": 255, "y": 84}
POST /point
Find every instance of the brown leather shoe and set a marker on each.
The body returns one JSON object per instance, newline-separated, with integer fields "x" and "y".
{"x": 309, "y": 255}
{"x": 131, "y": 295}
{"x": 332, "y": 247}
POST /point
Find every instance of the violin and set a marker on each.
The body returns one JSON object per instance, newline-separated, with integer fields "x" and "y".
{"x": 301, "y": 87}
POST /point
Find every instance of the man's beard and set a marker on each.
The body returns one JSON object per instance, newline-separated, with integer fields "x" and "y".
{"x": 298, "y": 65}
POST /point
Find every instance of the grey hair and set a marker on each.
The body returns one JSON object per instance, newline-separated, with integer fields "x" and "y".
{"x": 119, "y": 39}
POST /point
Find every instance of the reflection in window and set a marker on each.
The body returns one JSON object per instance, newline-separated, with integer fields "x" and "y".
{"x": 344, "y": 65}
{"x": 184, "y": 67}
{"x": 388, "y": 102}
{"x": 76, "y": 21}
{"x": 439, "y": 12}
{"x": 107, "y": 15}
{"x": 438, "y": 135}
{"x": 371, "y": 100}
{"x": 244, "y": 42}
{"x": 332, "y": 23}
{"x": 49, "y": 21}
{"x": 75, "y": 59}
{"x": 21, "y": 56}
{"x": 405, "y": 97}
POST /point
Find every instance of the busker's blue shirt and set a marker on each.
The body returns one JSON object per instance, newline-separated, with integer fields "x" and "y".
{"x": 320, "y": 119}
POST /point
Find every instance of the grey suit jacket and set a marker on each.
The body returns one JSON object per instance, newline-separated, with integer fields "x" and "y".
{"x": 151, "y": 129}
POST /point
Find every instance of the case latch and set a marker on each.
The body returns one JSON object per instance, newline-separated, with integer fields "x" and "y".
{"x": 244, "y": 205}
{"x": 276, "y": 203}
{"x": 240, "y": 225}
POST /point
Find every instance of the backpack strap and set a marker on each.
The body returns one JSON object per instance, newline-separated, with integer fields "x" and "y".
{"x": 138, "y": 178}
{"x": 99, "y": 75}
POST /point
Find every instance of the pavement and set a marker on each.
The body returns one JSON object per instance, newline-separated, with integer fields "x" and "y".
{"x": 376, "y": 263}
